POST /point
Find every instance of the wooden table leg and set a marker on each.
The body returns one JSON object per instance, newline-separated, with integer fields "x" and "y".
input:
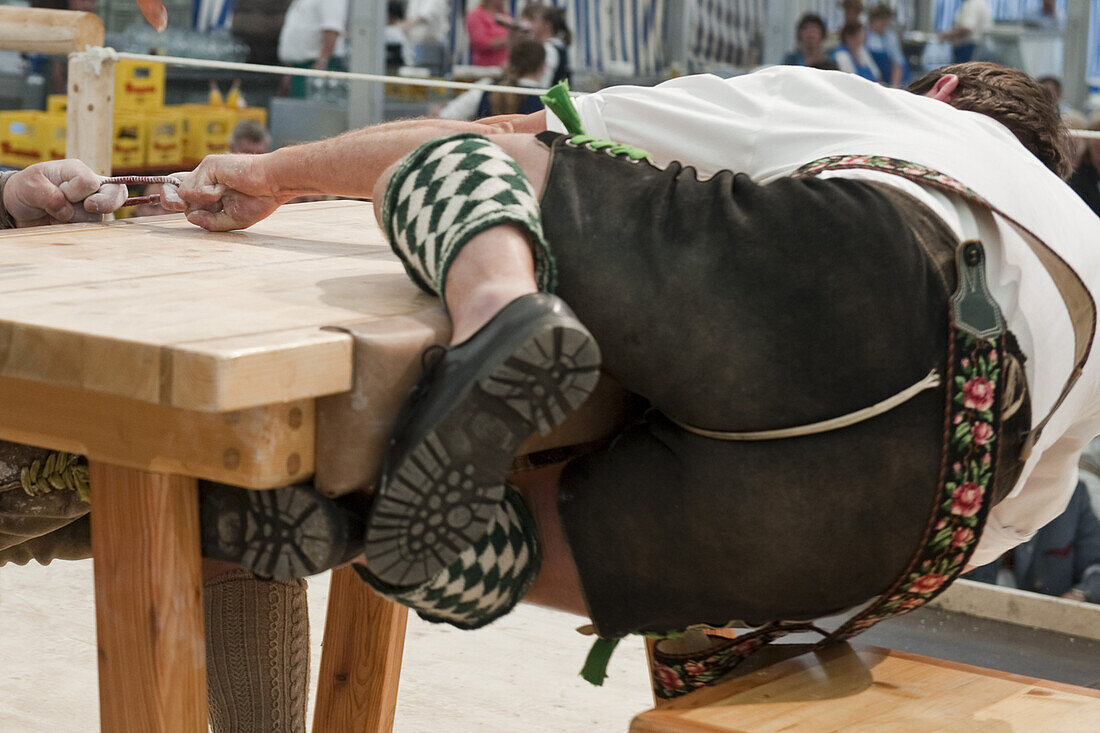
{"x": 148, "y": 590}
{"x": 360, "y": 659}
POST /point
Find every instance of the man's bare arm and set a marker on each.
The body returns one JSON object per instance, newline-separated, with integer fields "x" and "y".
{"x": 236, "y": 191}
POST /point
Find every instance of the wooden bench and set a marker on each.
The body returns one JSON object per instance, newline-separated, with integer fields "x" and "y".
{"x": 866, "y": 688}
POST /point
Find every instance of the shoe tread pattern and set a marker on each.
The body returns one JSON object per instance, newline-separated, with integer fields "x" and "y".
{"x": 442, "y": 494}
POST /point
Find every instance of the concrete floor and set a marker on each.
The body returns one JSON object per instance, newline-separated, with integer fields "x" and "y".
{"x": 517, "y": 676}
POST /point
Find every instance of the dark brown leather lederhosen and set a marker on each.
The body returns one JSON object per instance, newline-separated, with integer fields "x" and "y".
{"x": 985, "y": 442}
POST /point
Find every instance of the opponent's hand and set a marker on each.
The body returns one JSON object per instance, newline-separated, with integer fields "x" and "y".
{"x": 227, "y": 192}
{"x": 59, "y": 191}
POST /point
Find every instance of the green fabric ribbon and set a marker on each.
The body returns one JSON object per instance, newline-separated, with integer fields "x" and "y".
{"x": 557, "y": 100}
{"x": 594, "y": 670}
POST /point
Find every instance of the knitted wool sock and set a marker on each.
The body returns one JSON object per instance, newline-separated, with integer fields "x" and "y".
{"x": 447, "y": 191}
{"x": 257, "y": 654}
{"x": 486, "y": 581}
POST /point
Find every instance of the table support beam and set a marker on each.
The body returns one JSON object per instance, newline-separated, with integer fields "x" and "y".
{"x": 148, "y": 588}
{"x": 360, "y": 660}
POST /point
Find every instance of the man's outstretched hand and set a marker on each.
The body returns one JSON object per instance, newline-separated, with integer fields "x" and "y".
{"x": 227, "y": 192}
{"x": 59, "y": 191}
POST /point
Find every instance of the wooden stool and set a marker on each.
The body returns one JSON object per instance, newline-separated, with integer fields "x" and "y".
{"x": 866, "y": 688}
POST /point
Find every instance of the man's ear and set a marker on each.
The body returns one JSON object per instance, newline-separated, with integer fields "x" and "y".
{"x": 944, "y": 88}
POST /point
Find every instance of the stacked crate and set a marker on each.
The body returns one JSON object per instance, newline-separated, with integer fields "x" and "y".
{"x": 148, "y": 135}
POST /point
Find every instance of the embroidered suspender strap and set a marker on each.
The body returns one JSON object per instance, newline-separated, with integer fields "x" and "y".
{"x": 1075, "y": 296}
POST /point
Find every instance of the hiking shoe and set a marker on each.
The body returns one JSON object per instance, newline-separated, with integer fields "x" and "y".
{"x": 283, "y": 533}
{"x": 443, "y": 476}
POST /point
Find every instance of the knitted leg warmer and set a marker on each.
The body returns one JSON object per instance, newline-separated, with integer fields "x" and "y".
{"x": 257, "y": 654}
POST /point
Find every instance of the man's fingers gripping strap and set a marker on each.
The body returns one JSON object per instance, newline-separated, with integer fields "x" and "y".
{"x": 447, "y": 191}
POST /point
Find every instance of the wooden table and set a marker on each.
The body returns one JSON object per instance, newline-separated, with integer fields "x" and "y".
{"x": 167, "y": 354}
{"x": 865, "y": 688}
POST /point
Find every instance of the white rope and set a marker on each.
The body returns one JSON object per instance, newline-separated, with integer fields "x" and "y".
{"x": 320, "y": 74}
{"x": 97, "y": 55}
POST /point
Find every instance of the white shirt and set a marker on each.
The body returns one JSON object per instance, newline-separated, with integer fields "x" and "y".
{"x": 975, "y": 16}
{"x": 436, "y": 15}
{"x": 769, "y": 123}
{"x": 306, "y": 20}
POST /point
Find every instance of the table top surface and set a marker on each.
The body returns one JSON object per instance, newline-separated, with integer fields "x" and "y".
{"x": 158, "y": 310}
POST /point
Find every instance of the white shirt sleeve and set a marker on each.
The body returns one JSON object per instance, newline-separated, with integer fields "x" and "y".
{"x": 333, "y": 15}
{"x": 682, "y": 119}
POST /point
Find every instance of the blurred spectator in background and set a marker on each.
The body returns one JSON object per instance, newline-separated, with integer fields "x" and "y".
{"x": 398, "y": 52}
{"x": 972, "y": 21}
{"x": 885, "y": 47}
{"x": 1062, "y": 559}
{"x": 853, "y": 11}
{"x": 809, "y": 35}
{"x": 257, "y": 23}
{"x": 488, "y": 27}
{"x": 548, "y": 26}
{"x": 526, "y": 59}
{"x": 852, "y": 55}
{"x": 1053, "y": 85}
{"x": 1074, "y": 120}
{"x": 1045, "y": 17}
{"x": 250, "y": 137}
{"x": 1086, "y": 179}
{"x": 313, "y": 38}
{"x": 426, "y": 25}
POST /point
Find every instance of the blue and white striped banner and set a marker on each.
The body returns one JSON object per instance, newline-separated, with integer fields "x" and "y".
{"x": 212, "y": 15}
{"x": 727, "y": 32}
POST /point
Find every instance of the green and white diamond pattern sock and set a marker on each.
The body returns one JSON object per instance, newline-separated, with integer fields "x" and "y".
{"x": 486, "y": 581}
{"x": 449, "y": 190}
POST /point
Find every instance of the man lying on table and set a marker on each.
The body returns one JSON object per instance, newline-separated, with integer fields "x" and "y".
{"x": 788, "y": 324}
{"x": 257, "y": 630}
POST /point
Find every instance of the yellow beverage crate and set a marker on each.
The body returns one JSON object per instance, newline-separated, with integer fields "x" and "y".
{"x": 252, "y": 113}
{"x": 128, "y": 147}
{"x": 206, "y": 131}
{"x": 57, "y": 103}
{"x": 139, "y": 85}
{"x": 19, "y": 138}
{"x": 164, "y": 139}
{"x": 51, "y": 135}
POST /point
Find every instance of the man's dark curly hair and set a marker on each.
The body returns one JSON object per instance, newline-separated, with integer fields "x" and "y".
{"x": 1016, "y": 101}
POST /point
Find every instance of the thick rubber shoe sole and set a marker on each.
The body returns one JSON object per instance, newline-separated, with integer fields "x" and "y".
{"x": 440, "y": 495}
{"x": 284, "y": 533}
